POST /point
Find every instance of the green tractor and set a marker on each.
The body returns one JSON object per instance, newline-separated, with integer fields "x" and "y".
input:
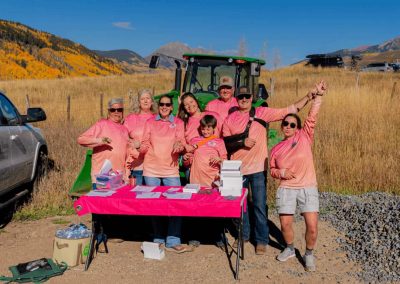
{"x": 202, "y": 79}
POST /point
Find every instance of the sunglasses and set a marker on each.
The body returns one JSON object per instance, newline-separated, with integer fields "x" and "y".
{"x": 286, "y": 123}
{"x": 242, "y": 96}
{"x": 165, "y": 104}
{"x": 116, "y": 109}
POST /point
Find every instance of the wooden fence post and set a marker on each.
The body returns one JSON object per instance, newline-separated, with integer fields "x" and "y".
{"x": 101, "y": 104}
{"x": 297, "y": 87}
{"x": 272, "y": 83}
{"x": 28, "y": 105}
{"x": 393, "y": 90}
{"x": 358, "y": 83}
{"x": 68, "y": 108}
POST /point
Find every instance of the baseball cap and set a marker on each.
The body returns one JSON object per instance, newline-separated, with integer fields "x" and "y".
{"x": 226, "y": 81}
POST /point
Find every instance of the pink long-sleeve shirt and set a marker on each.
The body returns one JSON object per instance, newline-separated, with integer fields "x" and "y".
{"x": 158, "y": 140}
{"x": 193, "y": 124}
{"x": 115, "y": 151}
{"x": 135, "y": 124}
{"x": 254, "y": 160}
{"x": 201, "y": 171}
{"x": 295, "y": 154}
{"x": 221, "y": 107}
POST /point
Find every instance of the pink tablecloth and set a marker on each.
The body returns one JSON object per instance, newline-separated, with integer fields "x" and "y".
{"x": 124, "y": 202}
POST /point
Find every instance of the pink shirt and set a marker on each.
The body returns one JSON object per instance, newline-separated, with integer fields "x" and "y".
{"x": 192, "y": 127}
{"x": 221, "y": 107}
{"x": 295, "y": 154}
{"x": 115, "y": 151}
{"x": 158, "y": 140}
{"x": 254, "y": 160}
{"x": 135, "y": 124}
{"x": 201, "y": 171}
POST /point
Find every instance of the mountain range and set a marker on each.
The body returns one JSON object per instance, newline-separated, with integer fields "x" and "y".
{"x": 29, "y": 53}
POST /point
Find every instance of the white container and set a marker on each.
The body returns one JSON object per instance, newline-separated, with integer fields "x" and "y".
{"x": 153, "y": 250}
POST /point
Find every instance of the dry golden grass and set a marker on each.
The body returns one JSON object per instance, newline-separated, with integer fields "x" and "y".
{"x": 356, "y": 141}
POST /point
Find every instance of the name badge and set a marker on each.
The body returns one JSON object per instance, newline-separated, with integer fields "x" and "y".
{"x": 172, "y": 125}
{"x": 211, "y": 143}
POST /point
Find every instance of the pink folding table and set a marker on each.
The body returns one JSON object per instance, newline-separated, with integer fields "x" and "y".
{"x": 206, "y": 203}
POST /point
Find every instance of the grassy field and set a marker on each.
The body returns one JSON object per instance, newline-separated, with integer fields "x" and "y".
{"x": 356, "y": 141}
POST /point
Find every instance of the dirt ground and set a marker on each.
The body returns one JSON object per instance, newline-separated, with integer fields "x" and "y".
{"x": 25, "y": 241}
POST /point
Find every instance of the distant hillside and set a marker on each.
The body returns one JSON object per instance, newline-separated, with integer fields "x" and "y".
{"x": 388, "y": 51}
{"x": 29, "y": 53}
{"x": 122, "y": 55}
{"x": 175, "y": 49}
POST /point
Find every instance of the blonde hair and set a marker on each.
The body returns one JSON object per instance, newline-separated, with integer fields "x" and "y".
{"x": 136, "y": 101}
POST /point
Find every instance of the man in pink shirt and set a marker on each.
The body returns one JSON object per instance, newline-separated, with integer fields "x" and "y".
{"x": 108, "y": 138}
{"x": 226, "y": 101}
{"x": 254, "y": 159}
{"x": 292, "y": 163}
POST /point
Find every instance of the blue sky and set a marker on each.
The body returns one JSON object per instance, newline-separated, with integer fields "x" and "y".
{"x": 291, "y": 28}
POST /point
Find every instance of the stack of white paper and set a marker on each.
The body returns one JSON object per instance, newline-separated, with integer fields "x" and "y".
{"x": 231, "y": 178}
{"x": 192, "y": 188}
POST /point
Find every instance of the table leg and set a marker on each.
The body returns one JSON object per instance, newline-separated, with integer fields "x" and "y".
{"x": 240, "y": 247}
{"x": 91, "y": 244}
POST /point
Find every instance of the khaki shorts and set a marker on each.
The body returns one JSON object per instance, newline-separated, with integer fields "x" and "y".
{"x": 287, "y": 199}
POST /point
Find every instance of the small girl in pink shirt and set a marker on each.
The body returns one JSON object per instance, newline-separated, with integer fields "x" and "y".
{"x": 209, "y": 152}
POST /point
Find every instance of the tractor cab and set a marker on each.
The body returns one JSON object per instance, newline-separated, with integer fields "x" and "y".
{"x": 203, "y": 72}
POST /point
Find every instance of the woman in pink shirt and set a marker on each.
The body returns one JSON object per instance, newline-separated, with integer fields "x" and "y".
{"x": 163, "y": 140}
{"x": 191, "y": 114}
{"x": 108, "y": 138}
{"x": 143, "y": 109}
{"x": 292, "y": 163}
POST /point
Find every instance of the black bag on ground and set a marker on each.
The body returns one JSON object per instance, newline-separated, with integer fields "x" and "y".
{"x": 35, "y": 271}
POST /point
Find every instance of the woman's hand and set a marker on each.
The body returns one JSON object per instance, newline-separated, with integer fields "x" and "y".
{"x": 318, "y": 90}
{"x": 178, "y": 147}
{"x": 215, "y": 161}
{"x": 190, "y": 148}
{"x": 287, "y": 174}
{"x": 249, "y": 142}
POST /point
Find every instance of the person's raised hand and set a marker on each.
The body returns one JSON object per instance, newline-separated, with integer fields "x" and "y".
{"x": 321, "y": 88}
{"x": 249, "y": 142}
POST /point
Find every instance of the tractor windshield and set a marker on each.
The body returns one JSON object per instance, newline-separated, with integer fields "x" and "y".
{"x": 203, "y": 75}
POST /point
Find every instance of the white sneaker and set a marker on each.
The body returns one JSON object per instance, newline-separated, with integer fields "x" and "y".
{"x": 309, "y": 261}
{"x": 286, "y": 254}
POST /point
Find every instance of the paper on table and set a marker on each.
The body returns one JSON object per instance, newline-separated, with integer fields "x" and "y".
{"x": 143, "y": 195}
{"x": 101, "y": 193}
{"x": 143, "y": 188}
{"x": 106, "y": 167}
{"x": 178, "y": 195}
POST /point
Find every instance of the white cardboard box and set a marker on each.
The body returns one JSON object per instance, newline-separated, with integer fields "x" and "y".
{"x": 153, "y": 250}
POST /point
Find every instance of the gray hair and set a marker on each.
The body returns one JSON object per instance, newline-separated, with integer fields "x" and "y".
{"x": 136, "y": 101}
{"x": 115, "y": 101}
